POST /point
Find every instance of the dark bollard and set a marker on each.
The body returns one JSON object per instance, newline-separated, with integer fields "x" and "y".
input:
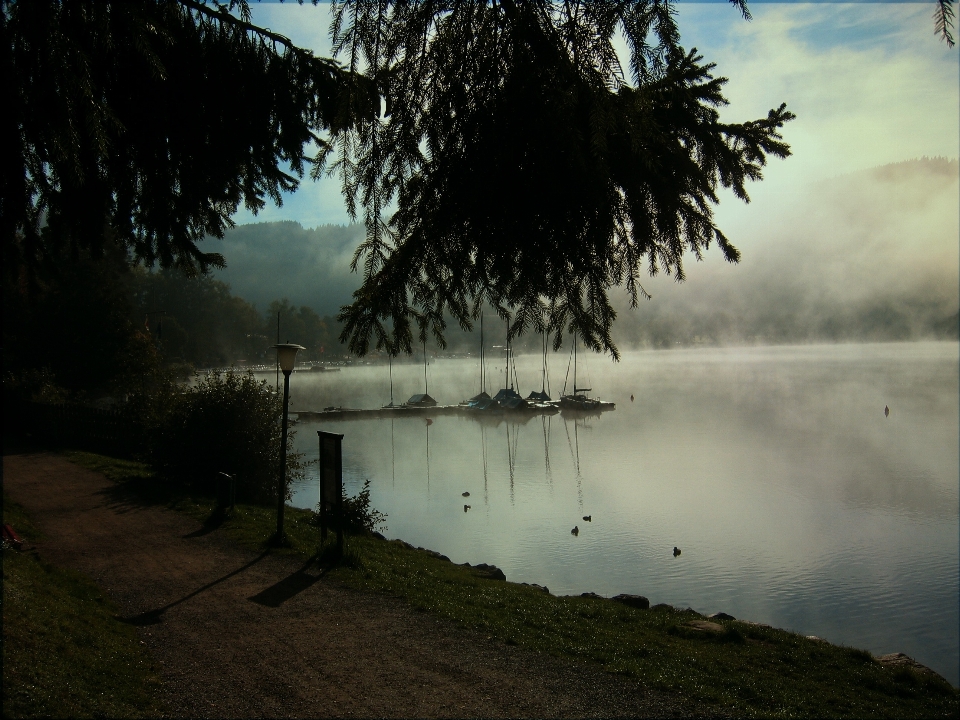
{"x": 226, "y": 491}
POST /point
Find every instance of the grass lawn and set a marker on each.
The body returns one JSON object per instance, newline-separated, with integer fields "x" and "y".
{"x": 740, "y": 668}
{"x": 65, "y": 655}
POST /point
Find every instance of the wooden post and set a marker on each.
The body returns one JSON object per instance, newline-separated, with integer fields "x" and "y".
{"x": 331, "y": 483}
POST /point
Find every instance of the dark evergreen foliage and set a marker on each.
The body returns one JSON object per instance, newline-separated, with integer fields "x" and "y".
{"x": 530, "y": 170}
{"x": 226, "y": 422}
{"x": 74, "y": 327}
{"x": 146, "y": 123}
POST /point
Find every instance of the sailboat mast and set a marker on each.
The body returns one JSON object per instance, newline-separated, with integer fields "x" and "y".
{"x": 507, "y": 369}
{"x": 483, "y": 379}
{"x": 574, "y": 363}
{"x": 543, "y": 366}
{"x": 390, "y": 359}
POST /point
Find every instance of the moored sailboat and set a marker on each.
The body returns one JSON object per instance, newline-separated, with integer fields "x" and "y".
{"x": 579, "y": 401}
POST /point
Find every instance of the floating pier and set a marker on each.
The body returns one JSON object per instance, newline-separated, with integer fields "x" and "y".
{"x": 463, "y": 409}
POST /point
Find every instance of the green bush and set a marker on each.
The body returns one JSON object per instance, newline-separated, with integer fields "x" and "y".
{"x": 226, "y": 422}
{"x": 356, "y": 516}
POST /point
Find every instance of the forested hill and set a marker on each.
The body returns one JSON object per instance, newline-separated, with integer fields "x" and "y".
{"x": 310, "y": 267}
{"x": 867, "y": 256}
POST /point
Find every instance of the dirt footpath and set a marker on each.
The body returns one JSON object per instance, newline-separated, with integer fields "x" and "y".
{"x": 239, "y": 634}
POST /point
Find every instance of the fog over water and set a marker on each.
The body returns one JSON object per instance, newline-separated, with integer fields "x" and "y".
{"x": 867, "y": 256}
{"x": 794, "y": 500}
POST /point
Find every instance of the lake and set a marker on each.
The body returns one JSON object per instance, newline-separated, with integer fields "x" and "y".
{"x": 794, "y": 500}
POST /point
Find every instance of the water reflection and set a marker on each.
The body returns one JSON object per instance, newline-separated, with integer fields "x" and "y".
{"x": 796, "y": 501}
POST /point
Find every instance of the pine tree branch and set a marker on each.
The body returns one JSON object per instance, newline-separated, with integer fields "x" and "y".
{"x": 223, "y": 16}
{"x": 943, "y": 19}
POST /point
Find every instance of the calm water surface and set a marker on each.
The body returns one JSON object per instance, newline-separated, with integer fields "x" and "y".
{"x": 794, "y": 500}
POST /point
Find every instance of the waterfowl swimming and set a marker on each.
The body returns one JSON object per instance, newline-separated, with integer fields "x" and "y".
{"x": 886, "y": 411}
{"x": 631, "y": 398}
{"x": 466, "y": 507}
{"x": 588, "y": 518}
{"x": 466, "y": 494}
{"x": 575, "y": 531}
{"x": 676, "y": 551}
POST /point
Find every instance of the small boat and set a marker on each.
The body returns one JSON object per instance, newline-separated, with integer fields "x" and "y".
{"x": 421, "y": 400}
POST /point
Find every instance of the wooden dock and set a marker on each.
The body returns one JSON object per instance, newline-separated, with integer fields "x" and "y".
{"x": 407, "y": 411}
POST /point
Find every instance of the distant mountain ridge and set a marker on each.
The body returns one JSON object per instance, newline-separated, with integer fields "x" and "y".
{"x": 273, "y": 260}
{"x": 869, "y": 255}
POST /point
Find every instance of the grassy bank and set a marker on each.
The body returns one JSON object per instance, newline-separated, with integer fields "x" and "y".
{"x": 64, "y": 652}
{"x": 738, "y": 667}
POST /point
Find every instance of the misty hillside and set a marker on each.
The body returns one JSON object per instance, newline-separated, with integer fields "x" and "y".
{"x": 868, "y": 256}
{"x": 269, "y": 261}
{"x": 872, "y": 255}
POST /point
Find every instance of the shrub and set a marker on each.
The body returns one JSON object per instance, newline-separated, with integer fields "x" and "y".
{"x": 227, "y": 422}
{"x": 356, "y": 514}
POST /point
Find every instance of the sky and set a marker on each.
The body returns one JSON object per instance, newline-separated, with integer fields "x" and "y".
{"x": 870, "y": 84}
{"x": 827, "y": 237}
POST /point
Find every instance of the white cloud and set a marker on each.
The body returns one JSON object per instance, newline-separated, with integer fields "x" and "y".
{"x": 870, "y": 85}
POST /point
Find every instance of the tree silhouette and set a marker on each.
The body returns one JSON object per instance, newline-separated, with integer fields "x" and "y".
{"x": 146, "y": 123}
{"x": 530, "y": 170}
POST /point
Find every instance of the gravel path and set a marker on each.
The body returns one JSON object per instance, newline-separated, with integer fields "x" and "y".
{"x": 237, "y": 634}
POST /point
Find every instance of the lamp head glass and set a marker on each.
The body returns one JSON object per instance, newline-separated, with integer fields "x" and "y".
{"x": 287, "y": 356}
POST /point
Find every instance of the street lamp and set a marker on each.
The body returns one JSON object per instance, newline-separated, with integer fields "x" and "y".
{"x": 286, "y": 356}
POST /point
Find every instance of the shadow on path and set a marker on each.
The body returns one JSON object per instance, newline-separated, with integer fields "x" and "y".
{"x": 137, "y": 494}
{"x": 290, "y": 586}
{"x": 214, "y": 521}
{"x": 152, "y": 617}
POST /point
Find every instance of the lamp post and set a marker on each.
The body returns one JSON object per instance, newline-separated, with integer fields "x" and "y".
{"x": 286, "y": 356}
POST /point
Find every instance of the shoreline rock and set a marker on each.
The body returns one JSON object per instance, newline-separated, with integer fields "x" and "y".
{"x": 895, "y": 660}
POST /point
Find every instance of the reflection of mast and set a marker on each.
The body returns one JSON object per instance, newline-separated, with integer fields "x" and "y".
{"x": 393, "y": 456}
{"x": 545, "y": 421}
{"x": 509, "y": 460}
{"x": 512, "y": 443}
{"x": 483, "y": 446}
{"x": 575, "y": 456}
{"x": 429, "y": 422}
